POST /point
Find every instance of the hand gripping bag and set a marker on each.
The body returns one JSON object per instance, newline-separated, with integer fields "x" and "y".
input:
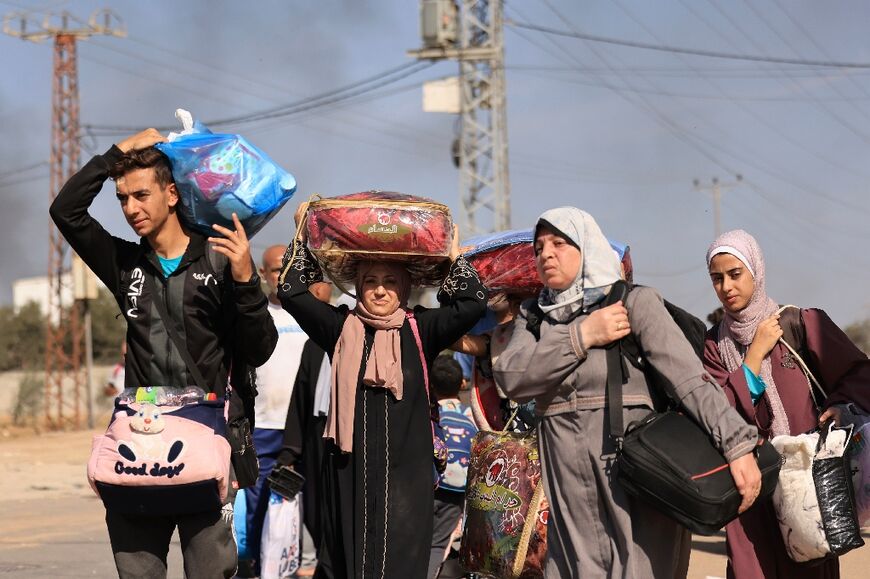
{"x": 506, "y": 511}
{"x": 384, "y": 226}
{"x": 670, "y": 462}
{"x": 219, "y": 174}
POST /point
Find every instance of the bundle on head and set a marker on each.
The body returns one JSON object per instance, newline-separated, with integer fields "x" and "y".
{"x": 377, "y": 225}
{"x": 505, "y": 261}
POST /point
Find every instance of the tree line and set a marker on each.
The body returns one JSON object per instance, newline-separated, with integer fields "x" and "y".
{"x": 22, "y": 341}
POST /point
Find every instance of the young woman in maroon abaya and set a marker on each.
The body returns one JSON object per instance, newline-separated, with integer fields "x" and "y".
{"x": 378, "y": 469}
{"x": 766, "y": 385}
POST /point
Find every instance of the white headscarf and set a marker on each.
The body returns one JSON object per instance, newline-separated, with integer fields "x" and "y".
{"x": 599, "y": 266}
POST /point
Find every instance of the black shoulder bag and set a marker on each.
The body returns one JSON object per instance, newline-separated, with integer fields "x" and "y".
{"x": 668, "y": 461}
{"x": 246, "y": 468}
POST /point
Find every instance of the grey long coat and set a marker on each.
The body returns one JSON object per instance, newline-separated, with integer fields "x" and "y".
{"x": 595, "y": 529}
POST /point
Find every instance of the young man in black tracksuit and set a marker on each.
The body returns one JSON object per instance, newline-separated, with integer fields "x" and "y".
{"x": 221, "y": 316}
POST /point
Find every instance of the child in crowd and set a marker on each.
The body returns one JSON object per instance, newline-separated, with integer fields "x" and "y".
{"x": 458, "y": 428}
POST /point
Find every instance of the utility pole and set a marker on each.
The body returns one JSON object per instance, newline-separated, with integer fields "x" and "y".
{"x": 472, "y": 33}
{"x": 715, "y": 189}
{"x": 62, "y": 405}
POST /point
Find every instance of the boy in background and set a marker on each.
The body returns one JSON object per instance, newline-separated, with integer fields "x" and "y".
{"x": 458, "y": 428}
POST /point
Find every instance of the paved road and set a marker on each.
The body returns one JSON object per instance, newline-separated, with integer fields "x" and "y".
{"x": 52, "y": 524}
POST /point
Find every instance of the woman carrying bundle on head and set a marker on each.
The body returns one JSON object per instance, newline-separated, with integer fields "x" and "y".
{"x": 767, "y": 386}
{"x": 378, "y": 469}
{"x": 595, "y": 529}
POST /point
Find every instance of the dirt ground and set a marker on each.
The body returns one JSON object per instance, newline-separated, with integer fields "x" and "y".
{"x": 52, "y": 523}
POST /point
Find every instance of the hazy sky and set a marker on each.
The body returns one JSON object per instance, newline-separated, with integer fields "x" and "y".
{"x": 621, "y": 132}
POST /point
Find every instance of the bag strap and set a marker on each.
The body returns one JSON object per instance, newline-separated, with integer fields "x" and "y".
{"x": 510, "y": 421}
{"x": 412, "y": 321}
{"x": 617, "y": 372}
{"x": 812, "y": 381}
{"x": 529, "y": 527}
{"x": 179, "y": 344}
{"x": 614, "y": 393}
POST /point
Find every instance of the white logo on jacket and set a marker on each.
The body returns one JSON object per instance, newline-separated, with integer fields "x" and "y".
{"x": 137, "y": 279}
{"x": 204, "y": 278}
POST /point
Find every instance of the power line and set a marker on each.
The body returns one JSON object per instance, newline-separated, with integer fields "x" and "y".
{"x": 681, "y": 50}
{"x": 244, "y": 84}
{"x": 24, "y": 169}
{"x": 700, "y": 144}
{"x": 22, "y": 180}
{"x": 711, "y": 97}
{"x": 843, "y": 122}
{"x": 730, "y": 72}
{"x": 346, "y": 92}
{"x": 760, "y": 15}
{"x": 809, "y": 36}
{"x": 736, "y": 101}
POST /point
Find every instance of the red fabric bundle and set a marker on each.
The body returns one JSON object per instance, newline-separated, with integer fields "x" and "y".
{"x": 383, "y": 226}
{"x": 508, "y": 268}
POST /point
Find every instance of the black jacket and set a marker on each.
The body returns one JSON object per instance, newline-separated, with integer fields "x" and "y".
{"x": 220, "y": 320}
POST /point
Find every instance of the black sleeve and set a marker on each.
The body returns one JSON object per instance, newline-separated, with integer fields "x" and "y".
{"x": 322, "y": 322}
{"x": 86, "y": 236}
{"x": 254, "y": 329}
{"x": 301, "y": 409}
{"x": 463, "y": 299}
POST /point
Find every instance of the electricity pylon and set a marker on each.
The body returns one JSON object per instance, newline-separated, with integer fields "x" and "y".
{"x": 64, "y": 329}
{"x": 476, "y": 41}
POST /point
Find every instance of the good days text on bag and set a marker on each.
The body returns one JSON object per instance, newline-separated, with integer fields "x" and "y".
{"x": 158, "y": 460}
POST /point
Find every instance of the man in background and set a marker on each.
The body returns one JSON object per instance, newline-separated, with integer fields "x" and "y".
{"x": 275, "y": 381}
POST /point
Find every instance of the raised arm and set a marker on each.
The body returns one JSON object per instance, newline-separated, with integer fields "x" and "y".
{"x": 86, "y": 236}
{"x": 463, "y": 299}
{"x": 321, "y": 321}
{"x": 472, "y": 345}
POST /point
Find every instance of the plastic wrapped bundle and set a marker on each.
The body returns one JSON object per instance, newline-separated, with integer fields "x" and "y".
{"x": 342, "y": 231}
{"x": 506, "y": 511}
{"x": 505, "y": 261}
{"x": 220, "y": 174}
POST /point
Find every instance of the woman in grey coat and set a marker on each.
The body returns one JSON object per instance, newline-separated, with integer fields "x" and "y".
{"x": 595, "y": 529}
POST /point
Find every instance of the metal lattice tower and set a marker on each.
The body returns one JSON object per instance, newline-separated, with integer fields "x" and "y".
{"x": 65, "y": 384}
{"x": 483, "y": 140}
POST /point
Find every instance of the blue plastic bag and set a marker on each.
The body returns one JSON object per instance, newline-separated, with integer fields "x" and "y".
{"x": 482, "y": 243}
{"x": 240, "y": 508}
{"x": 221, "y": 174}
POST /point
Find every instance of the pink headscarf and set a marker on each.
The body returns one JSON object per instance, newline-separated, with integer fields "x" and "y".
{"x": 384, "y": 364}
{"x": 737, "y": 329}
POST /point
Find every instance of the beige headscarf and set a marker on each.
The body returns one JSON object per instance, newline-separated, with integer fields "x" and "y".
{"x": 599, "y": 268}
{"x": 384, "y": 364}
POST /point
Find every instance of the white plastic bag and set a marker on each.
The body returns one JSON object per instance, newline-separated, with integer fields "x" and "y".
{"x": 279, "y": 547}
{"x": 813, "y": 500}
